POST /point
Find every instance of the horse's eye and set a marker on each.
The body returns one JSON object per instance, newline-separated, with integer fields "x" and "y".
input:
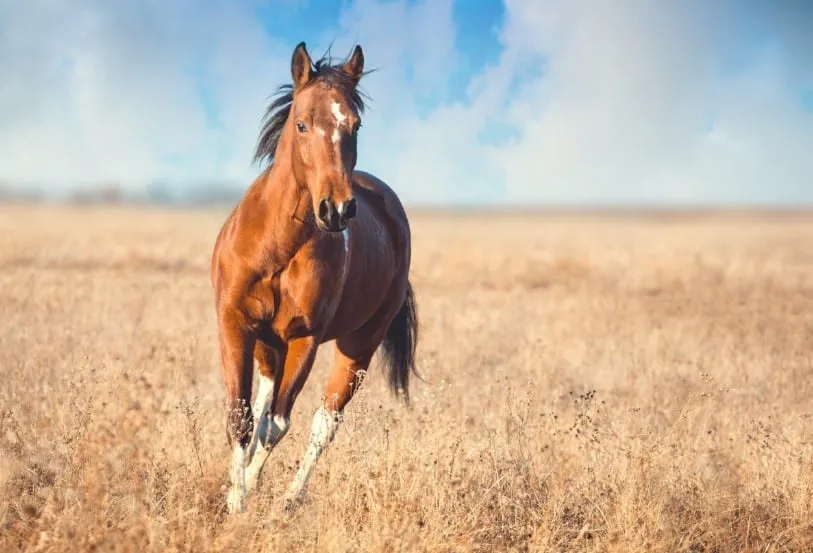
{"x": 356, "y": 128}
{"x": 300, "y": 126}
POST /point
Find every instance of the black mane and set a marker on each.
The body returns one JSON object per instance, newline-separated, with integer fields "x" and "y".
{"x": 279, "y": 109}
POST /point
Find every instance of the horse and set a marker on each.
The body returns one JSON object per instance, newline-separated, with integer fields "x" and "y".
{"x": 314, "y": 251}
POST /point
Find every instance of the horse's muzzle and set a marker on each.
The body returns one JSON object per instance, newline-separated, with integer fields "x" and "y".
{"x": 334, "y": 218}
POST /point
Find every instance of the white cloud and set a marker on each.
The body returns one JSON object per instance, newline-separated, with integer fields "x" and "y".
{"x": 102, "y": 91}
{"x": 623, "y": 107}
{"x": 621, "y": 101}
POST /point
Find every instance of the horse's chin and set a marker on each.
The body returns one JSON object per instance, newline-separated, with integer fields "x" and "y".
{"x": 330, "y": 230}
{"x": 337, "y": 230}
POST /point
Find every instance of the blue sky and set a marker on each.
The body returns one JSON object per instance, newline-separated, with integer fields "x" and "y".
{"x": 473, "y": 102}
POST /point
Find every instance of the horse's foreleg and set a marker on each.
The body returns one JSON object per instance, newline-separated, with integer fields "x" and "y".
{"x": 274, "y": 423}
{"x": 270, "y": 364}
{"x": 236, "y": 347}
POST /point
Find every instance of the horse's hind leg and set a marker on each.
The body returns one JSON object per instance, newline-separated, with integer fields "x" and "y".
{"x": 270, "y": 361}
{"x": 350, "y": 363}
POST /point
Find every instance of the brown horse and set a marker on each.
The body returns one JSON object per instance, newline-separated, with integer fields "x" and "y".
{"x": 314, "y": 251}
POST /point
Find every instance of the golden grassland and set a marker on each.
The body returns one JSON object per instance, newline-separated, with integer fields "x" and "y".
{"x": 616, "y": 384}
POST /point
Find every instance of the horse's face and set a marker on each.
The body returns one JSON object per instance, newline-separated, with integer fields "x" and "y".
{"x": 325, "y": 125}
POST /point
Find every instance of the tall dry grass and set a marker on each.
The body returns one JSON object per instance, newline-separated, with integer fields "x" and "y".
{"x": 592, "y": 384}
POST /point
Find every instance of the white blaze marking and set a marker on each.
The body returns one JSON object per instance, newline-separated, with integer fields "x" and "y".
{"x": 321, "y": 131}
{"x": 336, "y": 109}
{"x": 323, "y": 429}
{"x": 238, "y": 481}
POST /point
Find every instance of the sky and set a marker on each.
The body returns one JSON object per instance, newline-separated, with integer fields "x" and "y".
{"x": 520, "y": 102}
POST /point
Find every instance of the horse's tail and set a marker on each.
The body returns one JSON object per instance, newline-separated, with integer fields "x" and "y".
{"x": 399, "y": 346}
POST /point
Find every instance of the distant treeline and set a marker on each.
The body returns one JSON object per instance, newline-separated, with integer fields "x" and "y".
{"x": 216, "y": 193}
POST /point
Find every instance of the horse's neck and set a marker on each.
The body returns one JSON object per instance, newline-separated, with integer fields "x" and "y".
{"x": 288, "y": 213}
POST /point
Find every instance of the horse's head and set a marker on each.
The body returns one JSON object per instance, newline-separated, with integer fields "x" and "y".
{"x": 325, "y": 115}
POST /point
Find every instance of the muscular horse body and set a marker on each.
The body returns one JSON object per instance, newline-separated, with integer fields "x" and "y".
{"x": 314, "y": 251}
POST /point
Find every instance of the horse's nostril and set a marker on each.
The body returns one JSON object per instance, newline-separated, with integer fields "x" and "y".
{"x": 334, "y": 217}
{"x": 324, "y": 210}
{"x": 349, "y": 208}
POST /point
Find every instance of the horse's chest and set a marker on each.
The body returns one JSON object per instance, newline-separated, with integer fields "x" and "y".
{"x": 291, "y": 320}
{"x": 277, "y": 311}
{"x": 306, "y": 295}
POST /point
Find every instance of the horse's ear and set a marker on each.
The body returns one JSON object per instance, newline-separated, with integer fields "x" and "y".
{"x": 301, "y": 66}
{"x": 354, "y": 67}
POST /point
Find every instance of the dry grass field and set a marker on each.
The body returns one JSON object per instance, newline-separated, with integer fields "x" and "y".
{"x": 618, "y": 384}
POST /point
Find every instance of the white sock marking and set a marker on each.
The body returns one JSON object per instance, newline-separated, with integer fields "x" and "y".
{"x": 237, "y": 494}
{"x": 264, "y": 391}
{"x": 323, "y": 429}
{"x": 261, "y": 404}
{"x": 268, "y": 437}
{"x": 279, "y": 427}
